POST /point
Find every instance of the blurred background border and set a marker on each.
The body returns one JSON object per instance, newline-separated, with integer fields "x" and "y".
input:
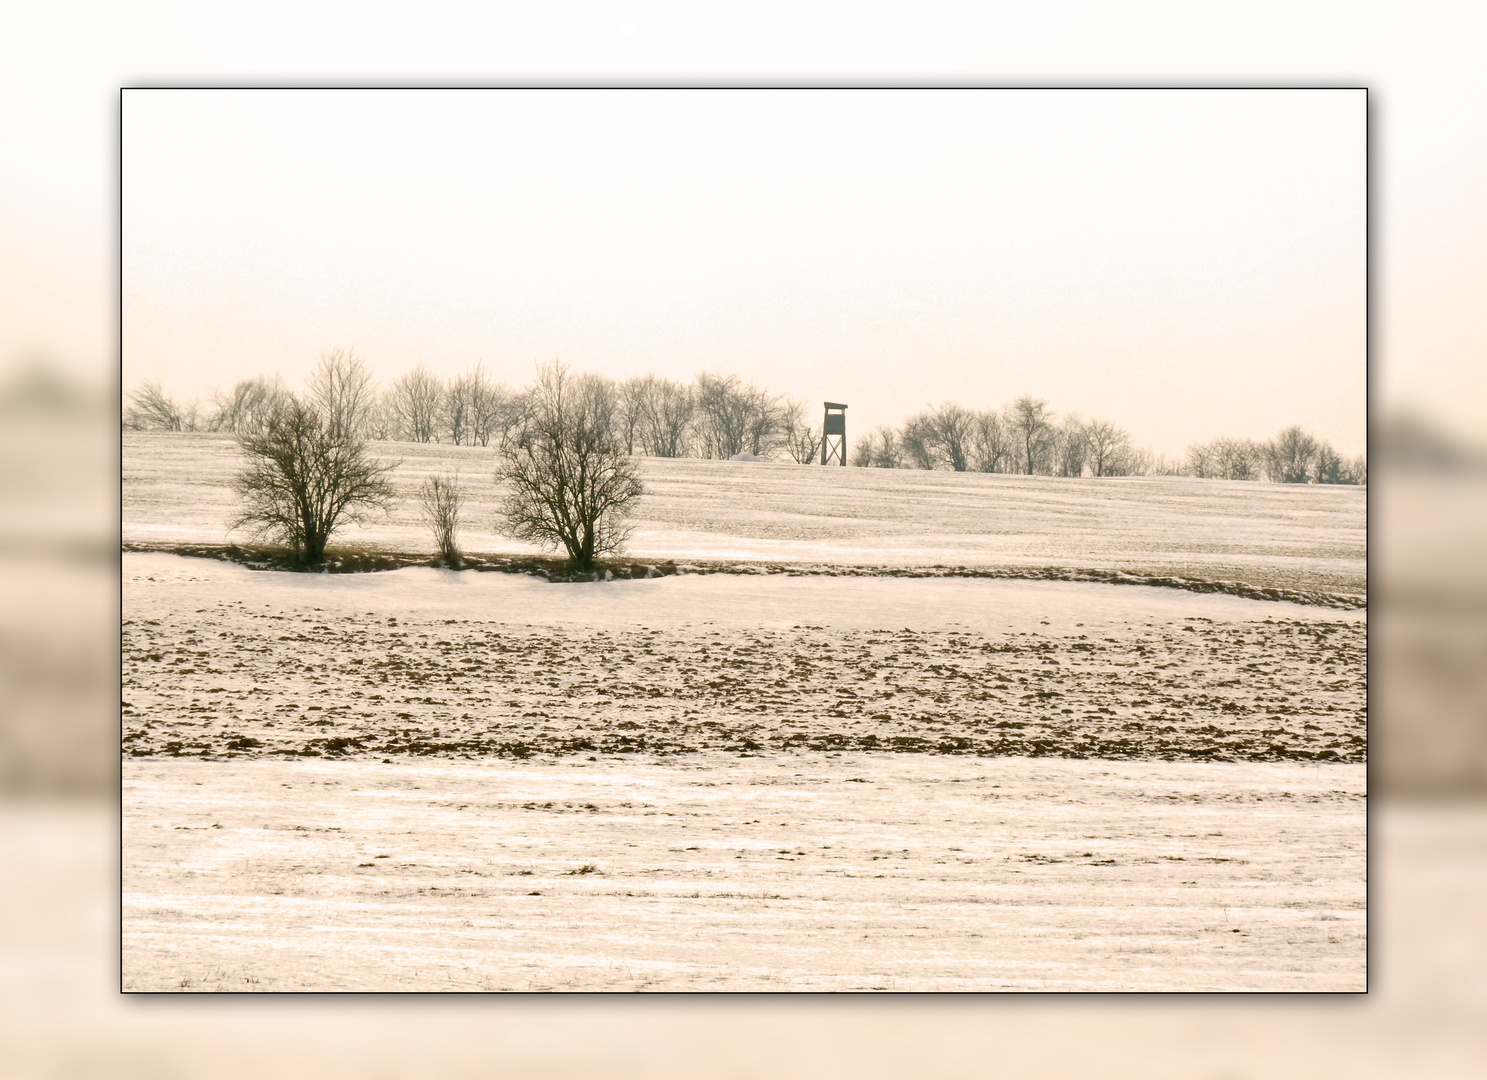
{"x": 60, "y": 70}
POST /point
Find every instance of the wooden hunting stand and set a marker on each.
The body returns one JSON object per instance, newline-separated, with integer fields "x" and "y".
{"x": 834, "y": 434}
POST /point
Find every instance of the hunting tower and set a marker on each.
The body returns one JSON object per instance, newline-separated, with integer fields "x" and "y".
{"x": 834, "y": 434}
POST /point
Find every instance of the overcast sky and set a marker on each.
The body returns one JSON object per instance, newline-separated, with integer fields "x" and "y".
{"x": 1186, "y": 263}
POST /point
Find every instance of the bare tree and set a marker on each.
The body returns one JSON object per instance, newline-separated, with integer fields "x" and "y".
{"x": 248, "y": 408}
{"x": 457, "y": 410}
{"x": 1032, "y": 430}
{"x": 441, "y": 499}
{"x": 379, "y": 422}
{"x": 1329, "y": 467}
{"x": 342, "y": 390}
{"x": 916, "y": 442}
{"x": 1227, "y": 459}
{"x": 766, "y": 430}
{"x": 991, "y": 450}
{"x": 633, "y": 393}
{"x": 492, "y": 408}
{"x": 1200, "y": 461}
{"x": 878, "y": 449}
{"x": 722, "y": 418}
{"x": 570, "y": 482}
{"x": 1237, "y": 459}
{"x": 475, "y": 411}
{"x": 1291, "y": 456}
{"x": 666, "y": 415}
{"x": 953, "y": 430}
{"x": 1154, "y": 463}
{"x": 940, "y": 437}
{"x": 1107, "y": 448}
{"x": 305, "y": 476}
{"x": 152, "y": 409}
{"x": 413, "y": 401}
{"x": 733, "y": 417}
{"x": 889, "y": 453}
{"x": 802, "y": 439}
{"x": 1069, "y": 446}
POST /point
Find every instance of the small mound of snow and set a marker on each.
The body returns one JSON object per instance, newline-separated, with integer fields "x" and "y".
{"x": 746, "y": 457}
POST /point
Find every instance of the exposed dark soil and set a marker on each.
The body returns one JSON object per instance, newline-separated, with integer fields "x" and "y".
{"x": 233, "y": 682}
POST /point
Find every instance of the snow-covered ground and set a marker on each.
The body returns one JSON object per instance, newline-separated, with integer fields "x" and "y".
{"x": 1425, "y": 1014}
{"x": 794, "y": 871}
{"x": 717, "y": 752}
{"x": 752, "y": 781}
{"x": 177, "y": 489}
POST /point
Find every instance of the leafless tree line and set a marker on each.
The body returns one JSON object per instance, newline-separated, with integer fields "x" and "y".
{"x": 714, "y": 416}
{"x": 1292, "y": 457}
{"x": 721, "y": 416}
{"x": 1025, "y": 437}
{"x": 470, "y": 410}
{"x": 152, "y": 409}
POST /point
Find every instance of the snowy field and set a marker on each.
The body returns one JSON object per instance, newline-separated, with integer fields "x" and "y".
{"x": 223, "y": 661}
{"x": 176, "y": 489}
{"x": 679, "y": 784}
{"x": 423, "y": 779}
{"x": 793, "y": 871}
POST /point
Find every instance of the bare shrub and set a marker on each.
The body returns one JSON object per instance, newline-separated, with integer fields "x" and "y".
{"x": 304, "y": 477}
{"x": 570, "y": 482}
{"x": 442, "y": 499}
